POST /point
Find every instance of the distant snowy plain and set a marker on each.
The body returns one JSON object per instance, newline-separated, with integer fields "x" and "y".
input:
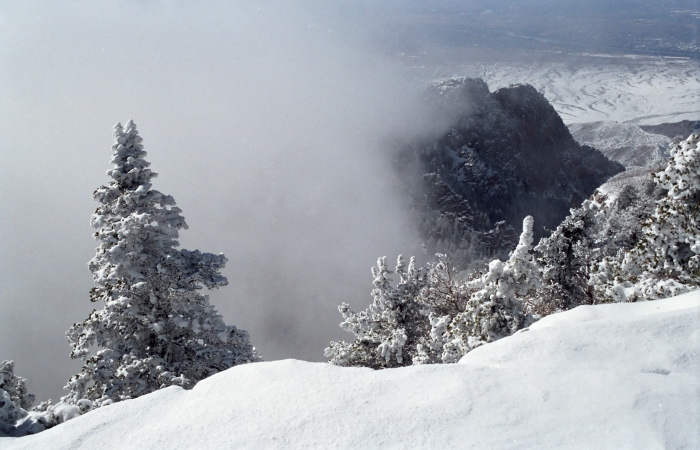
{"x": 622, "y": 376}
{"x": 635, "y": 89}
{"x": 643, "y": 90}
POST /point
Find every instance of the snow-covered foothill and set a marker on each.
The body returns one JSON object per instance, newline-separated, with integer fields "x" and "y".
{"x": 605, "y": 376}
{"x": 625, "y": 143}
{"x": 639, "y": 177}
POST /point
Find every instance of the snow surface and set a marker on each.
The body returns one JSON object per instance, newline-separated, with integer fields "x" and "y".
{"x": 606, "y": 376}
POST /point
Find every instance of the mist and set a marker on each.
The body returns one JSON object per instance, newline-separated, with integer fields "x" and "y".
{"x": 272, "y": 126}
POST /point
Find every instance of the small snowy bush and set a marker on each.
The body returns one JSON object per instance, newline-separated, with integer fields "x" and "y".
{"x": 386, "y": 333}
{"x": 15, "y": 399}
{"x": 495, "y": 307}
{"x": 565, "y": 258}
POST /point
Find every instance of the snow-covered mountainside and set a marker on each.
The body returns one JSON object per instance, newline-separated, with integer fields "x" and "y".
{"x": 606, "y": 376}
{"x": 625, "y": 143}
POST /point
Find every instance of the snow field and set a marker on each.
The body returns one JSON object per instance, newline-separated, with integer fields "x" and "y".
{"x": 606, "y": 376}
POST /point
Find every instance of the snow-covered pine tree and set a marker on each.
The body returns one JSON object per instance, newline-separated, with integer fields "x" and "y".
{"x": 387, "y": 332}
{"x": 15, "y": 399}
{"x": 496, "y": 308}
{"x": 570, "y": 258}
{"x": 565, "y": 258}
{"x": 666, "y": 260}
{"x": 155, "y": 328}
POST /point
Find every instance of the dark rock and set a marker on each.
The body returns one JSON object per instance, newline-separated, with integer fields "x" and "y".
{"x": 507, "y": 155}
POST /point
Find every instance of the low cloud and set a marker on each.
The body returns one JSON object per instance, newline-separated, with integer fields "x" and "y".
{"x": 271, "y": 126}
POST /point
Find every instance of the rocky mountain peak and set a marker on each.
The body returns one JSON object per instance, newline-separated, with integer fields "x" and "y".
{"x": 507, "y": 155}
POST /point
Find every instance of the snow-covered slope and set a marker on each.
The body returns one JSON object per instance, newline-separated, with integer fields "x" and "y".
{"x": 607, "y": 376}
{"x": 622, "y": 142}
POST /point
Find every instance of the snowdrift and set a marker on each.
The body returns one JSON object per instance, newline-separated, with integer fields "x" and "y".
{"x": 607, "y": 376}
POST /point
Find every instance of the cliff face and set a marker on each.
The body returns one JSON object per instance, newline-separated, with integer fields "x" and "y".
{"x": 507, "y": 155}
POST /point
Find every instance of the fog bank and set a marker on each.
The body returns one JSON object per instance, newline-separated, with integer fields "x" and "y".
{"x": 268, "y": 123}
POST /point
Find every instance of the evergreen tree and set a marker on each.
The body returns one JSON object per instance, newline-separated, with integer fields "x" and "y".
{"x": 155, "y": 329}
{"x": 566, "y": 257}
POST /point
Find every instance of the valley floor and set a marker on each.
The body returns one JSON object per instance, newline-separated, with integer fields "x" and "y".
{"x": 644, "y": 90}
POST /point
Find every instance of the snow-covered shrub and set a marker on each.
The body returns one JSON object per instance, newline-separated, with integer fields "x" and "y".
{"x": 15, "y": 386}
{"x": 608, "y": 223}
{"x": 666, "y": 259}
{"x": 444, "y": 297}
{"x": 565, "y": 258}
{"x": 495, "y": 309}
{"x": 15, "y": 399}
{"x": 154, "y": 328}
{"x": 432, "y": 316}
{"x": 387, "y": 332}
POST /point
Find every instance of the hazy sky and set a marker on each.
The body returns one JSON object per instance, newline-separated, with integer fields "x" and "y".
{"x": 268, "y": 124}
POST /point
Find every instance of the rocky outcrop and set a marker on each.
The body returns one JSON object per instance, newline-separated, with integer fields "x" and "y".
{"x": 507, "y": 155}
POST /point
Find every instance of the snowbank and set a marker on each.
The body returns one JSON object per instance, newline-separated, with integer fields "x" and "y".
{"x": 608, "y": 376}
